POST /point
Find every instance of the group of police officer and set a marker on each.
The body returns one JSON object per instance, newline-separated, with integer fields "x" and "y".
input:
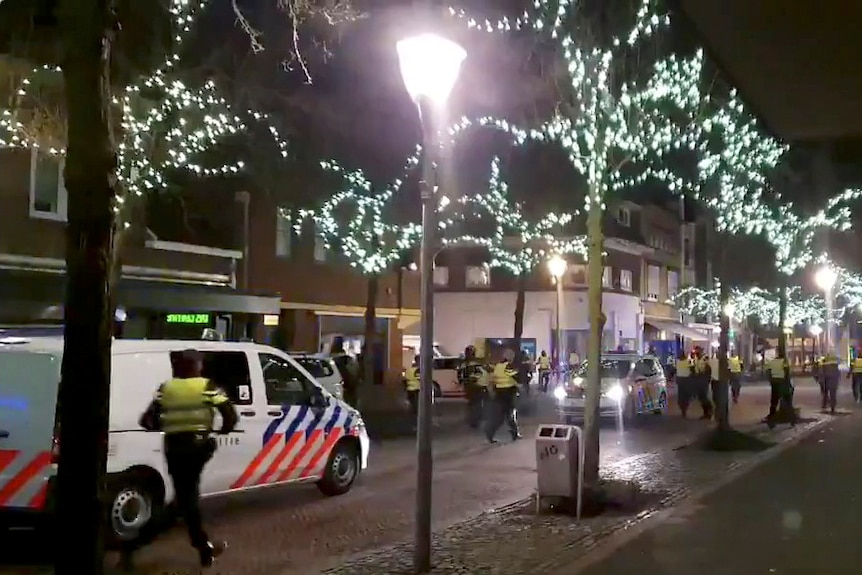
{"x": 697, "y": 375}
{"x": 491, "y": 388}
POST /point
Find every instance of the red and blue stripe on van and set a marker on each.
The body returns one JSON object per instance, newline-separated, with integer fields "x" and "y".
{"x": 25, "y": 479}
{"x": 296, "y": 445}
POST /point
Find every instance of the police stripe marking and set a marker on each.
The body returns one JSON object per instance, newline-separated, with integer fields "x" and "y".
{"x": 315, "y": 435}
{"x": 6, "y": 458}
{"x": 255, "y": 463}
{"x": 313, "y": 465}
{"x": 18, "y": 482}
{"x": 276, "y": 463}
{"x": 38, "y": 500}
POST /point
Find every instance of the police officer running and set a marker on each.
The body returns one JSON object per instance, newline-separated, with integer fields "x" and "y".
{"x": 504, "y": 387}
{"x": 683, "y": 383}
{"x": 856, "y": 368}
{"x": 470, "y": 375}
{"x": 735, "y": 366}
{"x": 411, "y": 386}
{"x": 702, "y": 379}
{"x": 184, "y": 408}
{"x": 544, "y": 371}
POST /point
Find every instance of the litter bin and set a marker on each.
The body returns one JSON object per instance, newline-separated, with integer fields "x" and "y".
{"x": 559, "y": 463}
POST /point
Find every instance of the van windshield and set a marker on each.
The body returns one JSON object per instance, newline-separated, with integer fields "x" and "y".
{"x": 611, "y": 369}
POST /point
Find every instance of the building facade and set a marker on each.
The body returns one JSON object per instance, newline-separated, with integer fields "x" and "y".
{"x": 167, "y": 288}
{"x": 644, "y": 267}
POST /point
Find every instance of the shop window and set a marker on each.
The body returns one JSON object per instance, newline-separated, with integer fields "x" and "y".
{"x": 441, "y": 276}
{"x": 48, "y": 198}
{"x": 478, "y": 276}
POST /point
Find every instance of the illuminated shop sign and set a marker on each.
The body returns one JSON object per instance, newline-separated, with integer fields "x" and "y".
{"x": 190, "y": 318}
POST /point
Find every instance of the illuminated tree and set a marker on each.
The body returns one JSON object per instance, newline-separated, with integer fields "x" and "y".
{"x": 515, "y": 244}
{"x": 357, "y": 221}
{"x": 600, "y": 124}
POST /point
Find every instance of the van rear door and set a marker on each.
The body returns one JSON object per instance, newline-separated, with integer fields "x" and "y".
{"x": 28, "y": 402}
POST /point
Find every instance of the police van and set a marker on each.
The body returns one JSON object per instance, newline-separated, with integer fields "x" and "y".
{"x": 290, "y": 429}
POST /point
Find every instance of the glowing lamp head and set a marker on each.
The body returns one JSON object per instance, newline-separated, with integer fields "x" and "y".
{"x": 826, "y": 278}
{"x": 430, "y": 65}
{"x": 815, "y": 330}
{"x": 730, "y": 309}
{"x": 557, "y": 266}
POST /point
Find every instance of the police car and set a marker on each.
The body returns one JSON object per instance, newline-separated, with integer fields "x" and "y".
{"x": 631, "y": 385}
{"x": 290, "y": 429}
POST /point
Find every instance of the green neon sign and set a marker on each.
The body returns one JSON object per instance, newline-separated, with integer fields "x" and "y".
{"x": 189, "y": 318}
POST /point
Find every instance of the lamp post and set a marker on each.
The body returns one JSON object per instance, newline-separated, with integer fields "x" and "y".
{"x": 430, "y": 66}
{"x": 557, "y": 267}
{"x": 815, "y": 331}
{"x": 825, "y": 279}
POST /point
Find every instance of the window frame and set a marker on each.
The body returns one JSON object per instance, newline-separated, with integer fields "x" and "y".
{"x": 441, "y": 279}
{"x": 624, "y": 217}
{"x": 607, "y": 277}
{"x": 624, "y": 273}
{"x": 283, "y": 236}
{"x": 62, "y": 213}
{"x": 651, "y": 295}
{"x": 308, "y": 386}
{"x": 470, "y": 285}
{"x": 235, "y": 398}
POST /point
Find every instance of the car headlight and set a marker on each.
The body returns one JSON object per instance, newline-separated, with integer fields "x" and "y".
{"x": 578, "y": 381}
{"x": 560, "y": 393}
{"x": 615, "y": 393}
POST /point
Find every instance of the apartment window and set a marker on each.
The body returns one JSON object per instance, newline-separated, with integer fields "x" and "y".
{"x": 607, "y": 277}
{"x": 653, "y": 283}
{"x": 672, "y": 283}
{"x": 319, "y": 249}
{"x": 624, "y": 217}
{"x": 478, "y": 276}
{"x": 48, "y": 198}
{"x": 626, "y": 280}
{"x": 283, "y": 234}
{"x": 441, "y": 276}
{"x": 576, "y": 276}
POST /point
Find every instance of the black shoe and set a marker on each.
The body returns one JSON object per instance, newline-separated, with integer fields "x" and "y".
{"x": 517, "y": 436}
{"x": 210, "y": 552}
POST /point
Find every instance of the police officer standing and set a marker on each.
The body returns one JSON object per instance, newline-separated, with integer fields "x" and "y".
{"x": 831, "y": 375}
{"x": 348, "y": 369}
{"x": 683, "y": 383}
{"x": 183, "y": 409}
{"x": 702, "y": 379}
{"x": 470, "y": 374}
{"x": 544, "y": 371}
{"x": 735, "y": 366}
{"x": 781, "y": 390}
{"x": 856, "y": 369}
{"x": 411, "y": 386}
{"x": 505, "y": 393}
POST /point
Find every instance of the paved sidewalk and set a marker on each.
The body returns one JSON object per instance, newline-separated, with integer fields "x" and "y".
{"x": 798, "y": 514}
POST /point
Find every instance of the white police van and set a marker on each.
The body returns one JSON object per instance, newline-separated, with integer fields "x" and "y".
{"x": 290, "y": 429}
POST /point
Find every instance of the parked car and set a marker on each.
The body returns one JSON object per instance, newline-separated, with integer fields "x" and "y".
{"x": 323, "y": 369}
{"x": 631, "y": 385}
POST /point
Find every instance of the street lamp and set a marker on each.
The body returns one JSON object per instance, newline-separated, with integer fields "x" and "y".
{"x": 557, "y": 267}
{"x": 815, "y": 331}
{"x": 825, "y": 279}
{"x": 430, "y": 66}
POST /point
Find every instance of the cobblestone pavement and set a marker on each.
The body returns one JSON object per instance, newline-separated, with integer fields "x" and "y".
{"x": 797, "y": 514}
{"x": 295, "y": 531}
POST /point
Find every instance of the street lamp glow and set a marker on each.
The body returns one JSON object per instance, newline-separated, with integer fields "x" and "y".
{"x": 557, "y": 266}
{"x": 430, "y": 65}
{"x": 730, "y": 309}
{"x": 815, "y": 330}
{"x": 826, "y": 278}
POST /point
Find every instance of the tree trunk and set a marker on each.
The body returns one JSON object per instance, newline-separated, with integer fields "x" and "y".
{"x": 722, "y": 411}
{"x": 520, "y": 303}
{"x": 370, "y": 329}
{"x": 595, "y": 267}
{"x": 782, "y": 318}
{"x": 86, "y": 28}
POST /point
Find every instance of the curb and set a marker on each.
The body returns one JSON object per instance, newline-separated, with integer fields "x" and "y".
{"x": 686, "y": 498}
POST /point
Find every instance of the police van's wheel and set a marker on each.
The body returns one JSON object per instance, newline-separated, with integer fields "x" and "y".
{"x": 341, "y": 470}
{"x": 134, "y": 504}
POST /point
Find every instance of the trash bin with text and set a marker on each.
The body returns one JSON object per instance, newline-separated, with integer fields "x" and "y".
{"x": 559, "y": 463}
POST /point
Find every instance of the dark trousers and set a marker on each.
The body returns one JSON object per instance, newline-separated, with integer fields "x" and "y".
{"x": 351, "y": 396}
{"x": 475, "y": 405}
{"x": 781, "y": 395}
{"x": 544, "y": 379}
{"x": 502, "y": 409}
{"x": 683, "y": 393}
{"x": 857, "y": 386}
{"x": 702, "y": 388}
{"x": 830, "y": 392}
{"x": 413, "y": 402}
{"x": 186, "y": 455}
{"x": 735, "y": 385}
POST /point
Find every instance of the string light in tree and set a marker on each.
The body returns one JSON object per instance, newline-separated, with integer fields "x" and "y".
{"x": 754, "y": 302}
{"x": 355, "y": 221}
{"x": 516, "y": 245}
{"x": 166, "y": 123}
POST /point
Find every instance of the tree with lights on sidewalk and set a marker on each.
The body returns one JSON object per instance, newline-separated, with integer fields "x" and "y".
{"x": 515, "y": 243}
{"x": 599, "y": 123}
{"x": 121, "y": 142}
{"x": 358, "y": 221}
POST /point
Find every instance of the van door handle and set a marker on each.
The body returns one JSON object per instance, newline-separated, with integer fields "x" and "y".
{"x": 278, "y": 413}
{"x": 3, "y": 434}
{"x": 248, "y": 413}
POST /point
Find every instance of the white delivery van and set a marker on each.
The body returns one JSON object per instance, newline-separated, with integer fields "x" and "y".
{"x": 290, "y": 429}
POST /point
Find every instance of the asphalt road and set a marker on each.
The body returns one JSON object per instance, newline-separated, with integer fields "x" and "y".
{"x": 297, "y": 531}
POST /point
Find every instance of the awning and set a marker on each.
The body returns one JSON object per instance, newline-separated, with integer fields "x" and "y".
{"x": 678, "y": 329}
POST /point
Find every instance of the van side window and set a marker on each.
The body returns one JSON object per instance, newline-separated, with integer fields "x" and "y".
{"x": 646, "y": 368}
{"x": 228, "y": 370}
{"x": 285, "y": 385}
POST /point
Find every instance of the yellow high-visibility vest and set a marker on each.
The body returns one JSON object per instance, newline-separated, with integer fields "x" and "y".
{"x": 411, "y": 378}
{"x": 734, "y": 364}
{"x": 857, "y": 365}
{"x": 776, "y": 368}
{"x": 713, "y": 368}
{"x": 187, "y": 404}
{"x": 504, "y": 376}
{"x": 544, "y": 362}
{"x": 683, "y": 368}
